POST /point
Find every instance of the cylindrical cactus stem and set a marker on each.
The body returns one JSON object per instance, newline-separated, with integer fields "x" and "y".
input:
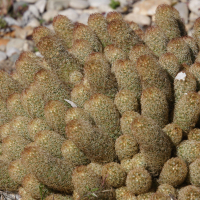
{"x": 194, "y": 172}
{"x": 18, "y": 126}
{"x": 126, "y": 121}
{"x": 146, "y": 196}
{"x": 195, "y": 70}
{"x": 54, "y": 52}
{"x": 6, "y": 183}
{"x": 126, "y": 100}
{"x": 114, "y": 53}
{"x": 152, "y": 75}
{"x": 196, "y": 34}
{"x": 155, "y": 106}
{"x": 98, "y": 23}
{"x": 81, "y": 93}
{"x": 114, "y": 175}
{"x": 126, "y": 147}
{"x": 40, "y": 32}
{"x": 80, "y": 50}
{"x": 188, "y": 192}
{"x": 113, "y": 15}
{"x": 194, "y": 134}
{"x": 188, "y": 150}
{"x": 138, "y": 181}
{"x": 186, "y": 111}
{"x": 59, "y": 197}
{"x": 14, "y": 105}
{"x": 77, "y": 113}
{"x": 33, "y": 187}
{"x": 8, "y": 85}
{"x": 27, "y": 65}
{"x": 174, "y": 132}
{"x": 5, "y": 131}
{"x": 32, "y": 101}
{"x": 51, "y": 87}
{"x": 73, "y": 154}
{"x": 124, "y": 193}
{"x": 97, "y": 146}
{"x": 13, "y": 145}
{"x": 170, "y": 63}
{"x": 184, "y": 82}
{"x": 25, "y": 195}
{"x": 127, "y": 76}
{"x": 96, "y": 168}
{"x": 5, "y": 115}
{"x": 193, "y": 46}
{"x": 167, "y": 190}
{"x": 36, "y": 125}
{"x": 139, "y": 50}
{"x": 104, "y": 113}
{"x": 17, "y": 171}
{"x": 82, "y": 31}
{"x": 166, "y": 19}
{"x": 122, "y": 35}
{"x": 97, "y": 71}
{"x": 86, "y": 181}
{"x": 50, "y": 141}
{"x": 156, "y": 40}
{"x": 55, "y": 115}
{"x": 52, "y": 172}
{"x": 64, "y": 29}
{"x": 181, "y": 50}
{"x": 153, "y": 142}
{"x": 173, "y": 172}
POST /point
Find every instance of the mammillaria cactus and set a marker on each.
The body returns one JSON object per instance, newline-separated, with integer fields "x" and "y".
{"x": 109, "y": 112}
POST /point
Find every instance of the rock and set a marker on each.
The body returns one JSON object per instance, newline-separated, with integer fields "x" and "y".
{"x": 39, "y": 54}
{"x": 194, "y": 6}
{"x": 27, "y": 17}
{"x": 193, "y": 17}
{"x": 83, "y": 18}
{"x": 12, "y": 51}
{"x": 33, "y": 23}
{"x": 22, "y": 45}
{"x": 3, "y": 47}
{"x": 10, "y": 21}
{"x": 14, "y": 57}
{"x": 29, "y": 1}
{"x": 148, "y": 7}
{"x": 41, "y": 4}
{"x": 79, "y": 4}
{"x": 139, "y": 19}
{"x": 70, "y": 13}
{"x": 105, "y": 8}
{"x": 49, "y": 15}
{"x": 2, "y": 56}
{"x": 57, "y": 4}
{"x": 90, "y": 11}
{"x": 4, "y": 41}
{"x": 97, "y": 3}
{"x": 34, "y": 10}
{"x": 19, "y": 5}
{"x": 183, "y": 11}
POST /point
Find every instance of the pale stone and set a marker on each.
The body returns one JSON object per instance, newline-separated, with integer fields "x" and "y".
{"x": 10, "y": 21}
{"x": 12, "y": 51}
{"x": 29, "y": 1}
{"x": 148, "y": 7}
{"x": 57, "y": 4}
{"x": 97, "y": 3}
{"x": 2, "y": 56}
{"x": 34, "y": 23}
{"x": 194, "y": 6}
{"x": 41, "y": 4}
{"x": 70, "y": 13}
{"x": 83, "y": 18}
{"x": 183, "y": 11}
{"x": 49, "y": 15}
{"x": 22, "y": 45}
{"x": 193, "y": 17}
{"x": 79, "y": 4}
{"x": 139, "y": 19}
{"x": 33, "y": 9}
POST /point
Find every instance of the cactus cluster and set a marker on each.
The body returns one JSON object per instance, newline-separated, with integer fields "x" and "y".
{"x": 109, "y": 112}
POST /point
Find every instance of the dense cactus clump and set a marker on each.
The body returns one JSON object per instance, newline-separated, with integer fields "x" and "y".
{"x": 110, "y": 112}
